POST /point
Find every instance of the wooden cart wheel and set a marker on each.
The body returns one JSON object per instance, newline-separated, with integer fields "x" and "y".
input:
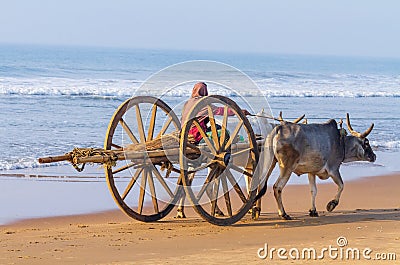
{"x": 145, "y": 191}
{"x": 230, "y": 153}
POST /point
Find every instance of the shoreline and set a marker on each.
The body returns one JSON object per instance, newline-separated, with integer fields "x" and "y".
{"x": 368, "y": 215}
{"x": 290, "y": 188}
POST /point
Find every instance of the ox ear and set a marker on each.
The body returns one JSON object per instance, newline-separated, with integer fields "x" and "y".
{"x": 342, "y": 131}
{"x": 355, "y": 133}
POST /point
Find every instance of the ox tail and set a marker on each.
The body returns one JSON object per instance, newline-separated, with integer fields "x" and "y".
{"x": 267, "y": 165}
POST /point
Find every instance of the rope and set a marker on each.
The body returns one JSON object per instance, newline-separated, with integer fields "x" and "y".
{"x": 167, "y": 166}
{"x": 276, "y": 119}
{"x": 264, "y": 116}
{"x": 88, "y": 152}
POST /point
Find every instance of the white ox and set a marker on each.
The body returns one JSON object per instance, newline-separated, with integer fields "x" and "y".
{"x": 315, "y": 149}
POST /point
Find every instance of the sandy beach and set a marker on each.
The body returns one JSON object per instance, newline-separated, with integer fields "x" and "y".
{"x": 367, "y": 217}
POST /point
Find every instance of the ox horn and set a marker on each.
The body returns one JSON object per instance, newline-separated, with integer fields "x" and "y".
{"x": 295, "y": 121}
{"x": 355, "y": 133}
{"x": 280, "y": 116}
{"x": 299, "y": 119}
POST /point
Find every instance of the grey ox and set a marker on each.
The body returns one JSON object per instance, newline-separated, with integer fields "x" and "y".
{"x": 315, "y": 149}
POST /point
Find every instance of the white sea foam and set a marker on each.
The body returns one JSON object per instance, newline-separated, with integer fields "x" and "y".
{"x": 25, "y": 163}
{"x": 70, "y": 87}
{"x": 286, "y": 86}
{"x": 386, "y": 145}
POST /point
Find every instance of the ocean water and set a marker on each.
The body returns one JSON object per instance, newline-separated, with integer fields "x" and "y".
{"x": 55, "y": 98}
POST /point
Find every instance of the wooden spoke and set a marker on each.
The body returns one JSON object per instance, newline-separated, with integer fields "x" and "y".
{"x": 162, "y": 181}
{"x": 238, "y": 169}
{"x": 164, "y": 128}
{"x": 152, "y": 191}
{"x": 152, "y": 123}
{"x": 235, "y": 185}
{"x": 226, "y": 194}
{"x": 140, "y": 124}
{"x": 214, "y": 199}
{"x": 142, "y": 191}
{"x": 224, "y": 128}
{"x": 233, "y": 135}
{"x": 206, "y": 183}
{"x": 214, "y": 131}
{"x": 128, "y": 131}
{"x": 131, "y": 194}
{"x": 116, "y": 146}
{"x": 204, "y": 135}
{"x": 123, "y": 168}
{"x": 241, "y": 152}
{"x": 208, "y": 206}
{"x": 131, "y": 183}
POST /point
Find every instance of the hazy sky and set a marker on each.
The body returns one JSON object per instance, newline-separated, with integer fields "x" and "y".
{"x": 338, "y": 27}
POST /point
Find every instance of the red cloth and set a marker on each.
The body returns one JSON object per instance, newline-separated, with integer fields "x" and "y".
{"x": 220, "y": 111}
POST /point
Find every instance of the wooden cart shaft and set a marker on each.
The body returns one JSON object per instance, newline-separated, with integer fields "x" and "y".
{"x": 139, "y": 157}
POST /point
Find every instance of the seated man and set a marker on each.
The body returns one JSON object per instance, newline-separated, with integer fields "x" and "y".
{"x": 199, "y": 91}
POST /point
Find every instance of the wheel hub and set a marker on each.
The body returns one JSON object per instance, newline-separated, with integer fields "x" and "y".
{"x": 223, "y": 159}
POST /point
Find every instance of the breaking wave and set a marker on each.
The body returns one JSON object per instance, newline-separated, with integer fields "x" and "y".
{"x": 275, "y": 85}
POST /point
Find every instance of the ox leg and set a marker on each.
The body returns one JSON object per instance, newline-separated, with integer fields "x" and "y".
{"x": 278, "y": 188}
{"x": 337, "y": 178}
{"x": 247, "y": 183}
{"x": 256, "y": 210}
{"x": 262, "y": 188}
{"x": 313, "y": 187}
{"x": 180, "y": 213}
{"x": 210, "y": 191}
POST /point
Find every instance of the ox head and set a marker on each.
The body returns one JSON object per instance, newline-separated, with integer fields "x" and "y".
{"x": 357, "y": 145}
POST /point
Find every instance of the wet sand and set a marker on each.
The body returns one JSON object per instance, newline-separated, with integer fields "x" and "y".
{"x": 368, "y": 216}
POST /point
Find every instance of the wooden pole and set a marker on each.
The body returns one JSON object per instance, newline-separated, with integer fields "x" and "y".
{"x": 156, "y": 156}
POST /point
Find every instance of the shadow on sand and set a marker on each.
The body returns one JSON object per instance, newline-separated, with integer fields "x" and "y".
{"x": 325, "y": 218}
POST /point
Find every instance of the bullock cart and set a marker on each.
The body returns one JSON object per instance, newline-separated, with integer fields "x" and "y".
{"x": 151, "y": 161}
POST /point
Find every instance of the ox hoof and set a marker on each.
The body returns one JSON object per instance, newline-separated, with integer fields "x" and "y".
{"x": 180, "y": 214}
{"x": 313, "y": 213}
{"x": 286, "y": 217}
{"x": 331, "y": 205}
{"x": 255, "y": 213}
